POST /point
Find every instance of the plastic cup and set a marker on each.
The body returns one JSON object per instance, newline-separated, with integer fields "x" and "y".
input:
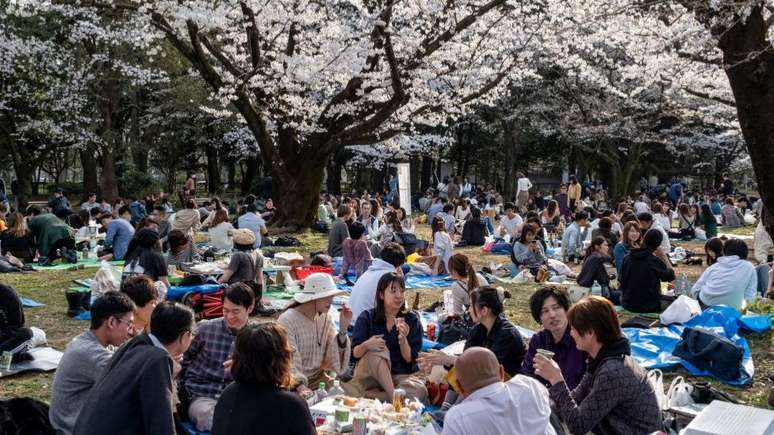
{"x": 546, "y": 353}
{"x": 5, "y": 361}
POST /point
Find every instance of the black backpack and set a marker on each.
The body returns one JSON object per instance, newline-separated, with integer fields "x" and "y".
{"x": 710, "y": 352}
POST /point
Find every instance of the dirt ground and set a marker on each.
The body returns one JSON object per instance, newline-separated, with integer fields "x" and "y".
{"x": 49, "y": 288}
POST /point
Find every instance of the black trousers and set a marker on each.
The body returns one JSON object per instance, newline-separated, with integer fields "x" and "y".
{"x": 67, "y": 242}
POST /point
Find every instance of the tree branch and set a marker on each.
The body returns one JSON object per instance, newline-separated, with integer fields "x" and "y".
{"x": 710, "y": 97}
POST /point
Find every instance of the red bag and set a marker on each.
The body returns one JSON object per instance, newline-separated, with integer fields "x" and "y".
{"x": 205, "y": 306}
{"x": 436, "y": 393}
{"x": 304, "y": 271}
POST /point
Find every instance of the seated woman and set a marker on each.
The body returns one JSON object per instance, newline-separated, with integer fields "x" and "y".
{"x": 642, "y": 272}
{"x": 188, "y": 219}
{"x": 257, "y": 402}
{"x": 319, "y": 350}
{"x": 528, "y": 251}
{"x": 146, "y": 258}
{"x": 474, "y": 231}
{"x": 386, "y": 232}
{"x": 220, "y": 230}
{"x": 708, "y": 222}
{"x": 386, "y": 341}
{"x": 593, "y": 269}
{"x": 630, "y": 239}
{"x": 465, "y": 281}
{"x": 405, "y": 221}
{"x": 731, "y": 281}
{"x": 14, "y": 336}
{"x": 614, "y": 397}
{"x": 605, "y": 229}
{"x": 145, "y": 296}
{"x": 443, "y": 248}
{"x": 713, "y": 249}
{"x": 246, "y": 265}
{"x": 687, "y": 222}
{"x": 181, "y": 249}
{"x": 549, "y": 307}
{"x": 355, "y": 252}
{"x": 551, "y": 218}
{"x": 17, "y": 239}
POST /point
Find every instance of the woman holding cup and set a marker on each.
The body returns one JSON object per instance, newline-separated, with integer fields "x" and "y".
{"x": 386, "y": 341}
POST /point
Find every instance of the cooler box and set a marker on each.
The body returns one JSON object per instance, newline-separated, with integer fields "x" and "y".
{"x": 724, "y": 418}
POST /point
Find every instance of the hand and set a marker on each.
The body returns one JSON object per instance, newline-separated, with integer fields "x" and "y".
{"x": 403, "y": 329}
{"x": 432, "y": 358}
{"x": 375, "y": 343}
{"x": 228, "y": 363}
{"x": 304, "y": 392}
{"x": 177, "y": 367}
{"x": 547, "y": 369}
{"x": 345, "y": 318}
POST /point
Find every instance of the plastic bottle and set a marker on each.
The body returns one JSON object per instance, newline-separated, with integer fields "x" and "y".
{"x": 336, "y": 389}
{"x": 681, "y": 285}
{"x": 596, "y": 289}
{"x": 321, "y": 393}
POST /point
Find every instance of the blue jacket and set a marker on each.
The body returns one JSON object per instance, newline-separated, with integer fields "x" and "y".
{"x": 619, "y": 252}
{"x": 137, "y": 209}
{"x": 119, "y": 234}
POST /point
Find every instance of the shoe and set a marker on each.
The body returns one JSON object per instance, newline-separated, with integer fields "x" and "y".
{"x": 45, "y": 262}
{"x": 264, "y": 311}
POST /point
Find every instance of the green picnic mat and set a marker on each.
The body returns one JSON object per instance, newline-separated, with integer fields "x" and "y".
{"x": 86, "y": 264}
{"x": 277, "y": 292}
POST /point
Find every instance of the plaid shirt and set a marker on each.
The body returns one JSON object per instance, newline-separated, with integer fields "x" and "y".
{"x": 204, "y": 375}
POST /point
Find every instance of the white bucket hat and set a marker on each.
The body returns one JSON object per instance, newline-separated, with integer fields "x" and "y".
{"x": 243, "y": 237}
{"x": 317, "y": 286}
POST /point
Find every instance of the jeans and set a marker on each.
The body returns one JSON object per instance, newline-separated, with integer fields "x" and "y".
{"x": 763, "y": 278}
{"x": 489, "y": 226}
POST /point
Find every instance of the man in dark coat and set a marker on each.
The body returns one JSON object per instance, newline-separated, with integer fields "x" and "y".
{"x": 134, "y": 395}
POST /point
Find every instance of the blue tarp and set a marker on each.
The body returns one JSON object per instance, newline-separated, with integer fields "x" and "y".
{"x": 652, "y": 348}
{"x": 29, "y": 303}
{"x": 415, "y": 280}
{"x": 177, "y": 293}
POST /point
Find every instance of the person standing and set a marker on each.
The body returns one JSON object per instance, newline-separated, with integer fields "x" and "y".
{"x": 522, "y": 190}
{"x": 727, "y": 187}
{"x": 573, "y": 193}
{"x": 339, "y": 231}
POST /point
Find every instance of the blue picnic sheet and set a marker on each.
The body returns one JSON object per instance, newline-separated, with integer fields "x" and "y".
{"x": 415, "y": 281}
{"x": 30, "y": 303}
{"x": 652, "y": 348}
{"x": 177, "y": 293}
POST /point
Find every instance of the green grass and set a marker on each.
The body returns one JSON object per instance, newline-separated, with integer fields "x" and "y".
{"x": 48, "y": 288}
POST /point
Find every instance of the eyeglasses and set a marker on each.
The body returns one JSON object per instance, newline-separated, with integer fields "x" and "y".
{"x": 129, "y": 323}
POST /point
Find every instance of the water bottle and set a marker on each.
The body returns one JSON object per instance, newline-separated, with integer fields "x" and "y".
{"x": 321, "y": 394}
{"x": 682, "y": 285}
{"x": 336, "y": 389}
{"x": 596, "y": 289}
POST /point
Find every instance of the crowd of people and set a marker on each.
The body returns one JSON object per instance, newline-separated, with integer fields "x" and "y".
{"x": 147, "y": 364}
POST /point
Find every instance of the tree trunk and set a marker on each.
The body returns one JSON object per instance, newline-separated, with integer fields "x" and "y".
{"x": 509, "y": 143}
{"x": 333, "y": 182}
{"x": 24, "y": 174}
{"x": 297, "y": 187}
{"x": 213, "y": 169}
{"x": 231, "y": 174}
{"x": 752, "y": 82}
{"x": 249, "y": 174}
{"x": 426, "y": 179}
{"x": 108, "y": 181}
{"x": 89, "y": 165}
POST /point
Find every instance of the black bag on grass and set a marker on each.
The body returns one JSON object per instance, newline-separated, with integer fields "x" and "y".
{"x": 710, "y": 352}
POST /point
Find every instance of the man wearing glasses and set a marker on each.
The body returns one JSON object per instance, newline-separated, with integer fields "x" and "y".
{"x": 112, "y": 318}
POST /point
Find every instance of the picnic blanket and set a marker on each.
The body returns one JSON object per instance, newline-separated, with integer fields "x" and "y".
{"x": 652, "y": 348}
{"x": 415, "y": 281}
{"x": 30, "y": 303}
{"x": 45, "y": 359}
{"x": 91, "y": 263}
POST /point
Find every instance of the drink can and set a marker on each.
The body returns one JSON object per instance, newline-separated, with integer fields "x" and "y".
{"x": 431, "y": 331}
{"x": 359, "y": 425}
{"x": 5, "y": 361}
{"x": 319, "y": 420}
{"x": 342, "y": 415}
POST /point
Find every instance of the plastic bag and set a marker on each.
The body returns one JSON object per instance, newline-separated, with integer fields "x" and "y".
{"x": 107, "y": 278}
{"x": 700, "y": 234}
{"x": 559, "y": 267}
{"x": 679, "y": 393}
{"x": 656, "y": 379}
{"x": 577, "y": 292}
{"x": 681, "y": 310}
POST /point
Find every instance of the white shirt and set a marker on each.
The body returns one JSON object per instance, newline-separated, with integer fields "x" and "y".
{"x": 523, "y": 185}
{"x": 664, "y": 220}
{"x": 641, "y": 207}
{"x": 443, "y": 247}
{"x": 519, "y": 406}
{"x": 510, "y": 225}
{"x": 665, "y": 245}
{"x": 730, "y": 281}
{"x": 219, "y": 236}
{"x": 762, "y": 243}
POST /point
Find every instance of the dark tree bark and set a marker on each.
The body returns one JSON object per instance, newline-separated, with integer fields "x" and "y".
{"x": 89, "y": 165}
{"x": 231, "y": 174}
{"x": 109, "y": 181}
{"x": 426, "y": 179}
{"x": 249, "y": 174}
{"x": 213, "y": 168}
{"x": 333, "y": 182}
{"x": 509, "y": 143}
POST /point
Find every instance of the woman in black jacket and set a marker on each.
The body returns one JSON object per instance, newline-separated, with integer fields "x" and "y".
{"x": 593, "y": 270}
{"x": 642, "y": 272}
{"x": 257, "y": 402}
{"x": 474, "y": 231}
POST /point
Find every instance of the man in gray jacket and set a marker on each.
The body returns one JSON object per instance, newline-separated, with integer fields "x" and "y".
{"x": 86, "y": 356}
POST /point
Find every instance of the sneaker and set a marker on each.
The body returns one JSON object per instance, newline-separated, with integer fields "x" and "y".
{"x": 264, "y": 311}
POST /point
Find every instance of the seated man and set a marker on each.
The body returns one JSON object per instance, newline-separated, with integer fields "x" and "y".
{"x": 14, "y": 337}
{"x": 119, "y": 232}
{"x": 491, "y": 406}
{"x": 510, "y": 223}
{"x": 315, "y": 353}
{"x": 549, "y": 307}
{"x": 363, "y": 297}
{"x": 59, "y": 203}
{"x": 730, "y": 281}
{"x": 642, "y": 272}
{"x": 204, "y": 376}
{"x": 647, "y": 222}
{"x": 86, "y": 356}
{"x": 134, "y": 395}
{"x": 52, "y": 236}
{"x": 145, "y": 295}
{"x": 339, "y": 231}
{"x": 573, "y": 237}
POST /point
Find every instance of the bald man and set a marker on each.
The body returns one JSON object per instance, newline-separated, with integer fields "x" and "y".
{"x": 493, "y": 407}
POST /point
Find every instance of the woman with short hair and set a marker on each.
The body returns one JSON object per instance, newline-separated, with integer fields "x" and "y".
{"x": 257, "y": 402}
{"x": 615, "y": 396}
